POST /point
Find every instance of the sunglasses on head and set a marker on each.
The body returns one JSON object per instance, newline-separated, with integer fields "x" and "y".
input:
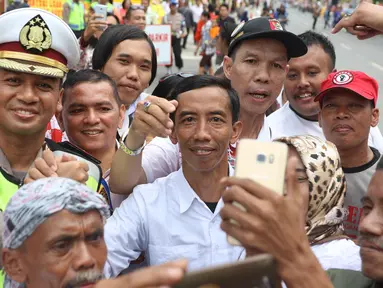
{"x": 137, "y": 7}
{"x": 180, "y": 74}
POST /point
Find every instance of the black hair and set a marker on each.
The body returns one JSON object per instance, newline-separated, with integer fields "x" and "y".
{"x": 88, "y": 76}
{"x": 202, "y": 81}
{"x": 114, "y": 16}
{"x": 166, "y": 84}
{"x": 113, "y": 36}
{"x": 224, "y": 5}
{"x": 311, "y": 38}
{"x": 206, "y": 14}
{"x": 211, "y": 8}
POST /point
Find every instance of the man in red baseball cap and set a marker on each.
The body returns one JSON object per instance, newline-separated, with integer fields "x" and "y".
{"x": 348, "y": 111}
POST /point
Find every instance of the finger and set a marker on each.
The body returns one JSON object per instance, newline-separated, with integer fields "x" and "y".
{"x": 35, "y": 174}
{"x": 42, "y": 166}
{"x": 152, "y": 125}
{"x": 174, "y": 102}
{"x": 165, "y": 105}
{"x": 84, "y": 166}
{"x": 155, "y": 276}
{"x": 344, "y": 23}
{"x": 235, "y": 215}
{"x": 68, "y": 158}
{"x": 252, "y": 187}
{"x": 162, "y": 117}
{"x": 50, "y": 160}
{"x": 246, "y": 238}
{"x": 236, "y": 194}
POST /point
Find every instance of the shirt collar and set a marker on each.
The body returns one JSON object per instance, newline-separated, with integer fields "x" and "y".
{"x": 186, "y": 192}
{"x": 265, "y": 133}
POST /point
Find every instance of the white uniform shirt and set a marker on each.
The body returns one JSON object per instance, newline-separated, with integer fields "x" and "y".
{"x": 161, "y": 157}
{"x": 285, "y": 123}
{"x": 168, "y": 221}
{"x": 338, "y": 254}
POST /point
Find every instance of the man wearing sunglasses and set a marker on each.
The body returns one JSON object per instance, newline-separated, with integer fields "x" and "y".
{"x": 136, "y": 16}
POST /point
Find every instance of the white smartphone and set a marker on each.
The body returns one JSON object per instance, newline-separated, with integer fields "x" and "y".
{"x": 262, "y": 162}
{"x": 101, "y": 10}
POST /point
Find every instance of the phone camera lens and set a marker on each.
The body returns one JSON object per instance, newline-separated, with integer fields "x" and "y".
{"x": 261, "y": 158}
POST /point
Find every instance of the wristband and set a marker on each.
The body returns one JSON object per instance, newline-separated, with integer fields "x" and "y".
{"x": 129, "y": 151}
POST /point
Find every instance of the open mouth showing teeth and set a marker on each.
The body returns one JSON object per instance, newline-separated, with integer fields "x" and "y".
{"x": 91, "y": 132}
{"x": 23, "y": 112}
{"x": 258, "y": 96}
{"x": 306, "y": 95}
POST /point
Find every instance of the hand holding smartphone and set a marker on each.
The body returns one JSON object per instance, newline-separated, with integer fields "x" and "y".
{"x": 262, "y": 162}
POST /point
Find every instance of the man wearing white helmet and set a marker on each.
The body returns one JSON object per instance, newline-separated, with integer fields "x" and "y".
{"x": 35, "y": 50}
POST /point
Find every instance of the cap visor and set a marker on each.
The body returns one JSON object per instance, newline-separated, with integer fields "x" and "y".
{"x": 319, "y": 97}
{"x": 294, "y": 45}
{"x": 31, "y": 68}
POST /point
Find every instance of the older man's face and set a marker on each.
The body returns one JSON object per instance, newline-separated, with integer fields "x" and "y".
{"x": 371, "y": 229}
{"x": 67, "y": 250}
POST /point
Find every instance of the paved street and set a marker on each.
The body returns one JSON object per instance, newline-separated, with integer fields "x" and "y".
{"x": 351, "y": 53}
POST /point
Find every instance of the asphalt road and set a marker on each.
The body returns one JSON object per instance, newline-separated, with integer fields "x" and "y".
{"x": 351, "y": 53}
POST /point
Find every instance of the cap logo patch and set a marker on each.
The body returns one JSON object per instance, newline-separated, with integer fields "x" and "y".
{"x": 275, "y": 25}
{"x": 35, "y": 35}
{"x": 342, "y": 78}
{"x": 237, "y": 29}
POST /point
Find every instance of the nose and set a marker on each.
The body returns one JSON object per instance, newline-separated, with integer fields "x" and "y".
{"x": 303, "y": 82}
{"x": 342, "y": 113}
{"x": 202, "y": 132}
{"x": 263, "y": 73}
{"x": 371, "y": 224}
{"x": 92, "y": 118}
{"x": 132, "y": 73}
{"x": 83, "y": 258}
{"x": 27, "y": 94}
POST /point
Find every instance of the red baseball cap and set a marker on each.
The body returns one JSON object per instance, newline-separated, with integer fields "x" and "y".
{"x": 355, "y": 81}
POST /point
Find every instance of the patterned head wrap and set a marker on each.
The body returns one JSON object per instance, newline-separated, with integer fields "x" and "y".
{"x": 327, "y": 186}
{"x": 36, "y": 202}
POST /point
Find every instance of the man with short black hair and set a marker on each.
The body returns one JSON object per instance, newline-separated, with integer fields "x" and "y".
{"x": 348, "y": 111}
{"x": 299, "y": 116}
{"x": 256, "y": 66}
{"x": 206, "y": 122}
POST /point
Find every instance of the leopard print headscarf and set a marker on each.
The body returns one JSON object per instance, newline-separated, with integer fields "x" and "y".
{"x": 327, "y": 186}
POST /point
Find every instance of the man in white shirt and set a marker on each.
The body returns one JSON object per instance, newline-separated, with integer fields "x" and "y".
{"x": 178, "y": 216}
{"x": 197, "y": 10}
{"x": 256, "y": 66}
{"x": 299, "y": 116}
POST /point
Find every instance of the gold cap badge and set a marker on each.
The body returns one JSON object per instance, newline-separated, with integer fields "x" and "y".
{"x": 35, "y": 36}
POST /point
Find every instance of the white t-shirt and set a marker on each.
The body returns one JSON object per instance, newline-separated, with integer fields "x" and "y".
{"x": 338, "y": 254}
{"x": 197, "y": 12}
{"x": 161, "y": 157}
{"x": 285, "y": 123}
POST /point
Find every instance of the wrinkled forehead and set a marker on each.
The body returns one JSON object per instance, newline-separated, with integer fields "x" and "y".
{"x": 266, "y": 48}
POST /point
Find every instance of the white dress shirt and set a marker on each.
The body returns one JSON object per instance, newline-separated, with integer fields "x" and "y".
{"x": 161, "y": 157}
{"x": 168, "y": 221}
{"x": 286, "y": 123}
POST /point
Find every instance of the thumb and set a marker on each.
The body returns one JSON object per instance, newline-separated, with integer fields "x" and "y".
{"x": 67, "y": 158}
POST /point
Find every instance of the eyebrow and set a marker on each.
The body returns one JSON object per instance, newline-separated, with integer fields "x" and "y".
{"x": 300, "y": 170}
{"x": 126, "y": 55}
{"x": 216, "y": 112}
{"x": 71, "y": 237}
{"x": 75, "y": 104}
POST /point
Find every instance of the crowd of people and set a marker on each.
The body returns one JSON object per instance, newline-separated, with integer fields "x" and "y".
{"x": 105, "y": 185}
